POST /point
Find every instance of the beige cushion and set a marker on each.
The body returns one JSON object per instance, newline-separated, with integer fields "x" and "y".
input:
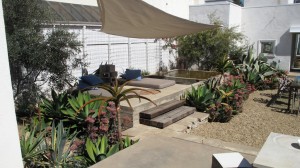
{"x": 152, "y": 83}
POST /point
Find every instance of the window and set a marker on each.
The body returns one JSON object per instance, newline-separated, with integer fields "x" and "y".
{"x": 267, "y": 47}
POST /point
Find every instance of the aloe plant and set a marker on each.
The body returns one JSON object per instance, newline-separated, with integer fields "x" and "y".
{"x": 119, "y": 93}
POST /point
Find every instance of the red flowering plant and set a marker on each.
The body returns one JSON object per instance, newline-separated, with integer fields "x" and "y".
{"x": 219, "y": 112}
{"x": 238, "y": 89}
{"x": 118, "y": 93}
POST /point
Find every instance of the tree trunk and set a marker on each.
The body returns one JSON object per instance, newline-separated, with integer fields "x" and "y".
{"x": 119, "y": 126}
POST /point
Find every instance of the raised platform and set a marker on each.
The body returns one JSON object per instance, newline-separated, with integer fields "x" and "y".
{"x": 165, "y": 95}
{"x": 131, "y": 116}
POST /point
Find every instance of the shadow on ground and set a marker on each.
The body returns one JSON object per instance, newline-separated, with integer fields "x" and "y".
{"x": 280, "y": 105}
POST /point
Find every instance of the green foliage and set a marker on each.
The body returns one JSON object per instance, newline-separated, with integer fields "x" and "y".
{"x": 118, "y": 93}
{"x": 31, "y": 141}
{"x": 58, "y": 151}
{"x": 206, "y": 49}
{"x": 100, "y": 149}
{"x": 77, "y": 114}
{"x": 200, "y": 97}
{"x": 220, "y": 112}
{"x": 145, "y": 73}
{"x": 65, "y": 107}
{"x": 225, "y": 65}
{"x": 36, "y": 58}
{"x": 52, "y": 109}
{"x": 255, "y": 70}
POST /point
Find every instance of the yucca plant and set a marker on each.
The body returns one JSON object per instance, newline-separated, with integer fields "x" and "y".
{"x": 119, "y": 93}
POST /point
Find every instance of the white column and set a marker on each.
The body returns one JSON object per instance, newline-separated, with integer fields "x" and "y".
{"x": 10, "y": 152}
{"x": 83, "y": 41}
{"x": 109, "y": 50}
{"x": 147, "y": 56}
{"x": 129, "y": 52}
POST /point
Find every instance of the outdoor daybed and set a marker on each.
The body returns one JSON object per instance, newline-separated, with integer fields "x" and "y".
{"x": 135, "y": 78}
{"x": 152, "y": 83}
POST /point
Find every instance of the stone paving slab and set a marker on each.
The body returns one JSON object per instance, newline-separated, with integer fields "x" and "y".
{"x": 164, "y": 152}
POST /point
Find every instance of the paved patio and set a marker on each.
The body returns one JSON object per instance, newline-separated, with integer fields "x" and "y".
{"x": 165, "y": 152}
{"x": 171, "y": 147}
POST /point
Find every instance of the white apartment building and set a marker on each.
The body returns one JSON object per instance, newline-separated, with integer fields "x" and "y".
{"x": 272, "y": 26}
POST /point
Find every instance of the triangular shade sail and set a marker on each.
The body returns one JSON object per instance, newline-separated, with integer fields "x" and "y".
{"x": 137, "y": 19}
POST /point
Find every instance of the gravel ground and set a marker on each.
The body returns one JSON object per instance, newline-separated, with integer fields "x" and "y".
{"x": 255, "y": 123}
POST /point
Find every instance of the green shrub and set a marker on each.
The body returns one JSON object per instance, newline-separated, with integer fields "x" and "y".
{"x": 99, "y": 149}
{"x": 31, "y": 141}
{"x": 200, "y": 97}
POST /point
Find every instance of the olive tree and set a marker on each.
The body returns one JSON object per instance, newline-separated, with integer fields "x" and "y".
{"x": 207, "y": 49}
{"x": 36, "y": 57}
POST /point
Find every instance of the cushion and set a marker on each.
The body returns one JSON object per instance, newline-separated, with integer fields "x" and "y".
{"x": 133, "y": 73}
{"x": 123, "y": 76}
{"x": 91, "y": 80}
{"x": 152, "y": 83}
{"x": 82, "y": 85}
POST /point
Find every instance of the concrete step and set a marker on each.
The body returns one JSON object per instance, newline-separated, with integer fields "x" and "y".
{"x": 161, "y": 109}
{"x": 168, "y": 118}
{"x": 193, "y": 121}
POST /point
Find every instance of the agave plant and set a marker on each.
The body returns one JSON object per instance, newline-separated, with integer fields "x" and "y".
{"x": 119, "y": 93}
{"x": 78, "y": 115}
{"x": 100, "y": 149}
{"x": 31, "y": 145}
{"x": 253, "y": 69}
{"x": 58, "y": 152}
{"x": 52, "y": 109}
{"x": 200, "y": 97}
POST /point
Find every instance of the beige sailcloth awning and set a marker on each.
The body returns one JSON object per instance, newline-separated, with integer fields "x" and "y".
{"x": 137, "y": 19}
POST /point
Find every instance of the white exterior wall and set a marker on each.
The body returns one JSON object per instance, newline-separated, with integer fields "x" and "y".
{"x": 10, "y": 152}
{"x": 199, "y": 13}
{"x": 235, "y": 16}
{"x": 272, "y": 23}
{"x": 256, "y": 3}
{"x": 229, "y": 13}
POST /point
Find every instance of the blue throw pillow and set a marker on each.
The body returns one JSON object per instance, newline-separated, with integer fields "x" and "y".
{"x": 123, "y": 76}
{"x": 91, "y": 80}
{"x": 139, "y": 78}
{"x": 82, "y": 85}
{"x": 133, "y": 73}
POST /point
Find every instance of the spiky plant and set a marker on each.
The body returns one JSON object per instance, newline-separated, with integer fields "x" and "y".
{"x": 119, "y": 93}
